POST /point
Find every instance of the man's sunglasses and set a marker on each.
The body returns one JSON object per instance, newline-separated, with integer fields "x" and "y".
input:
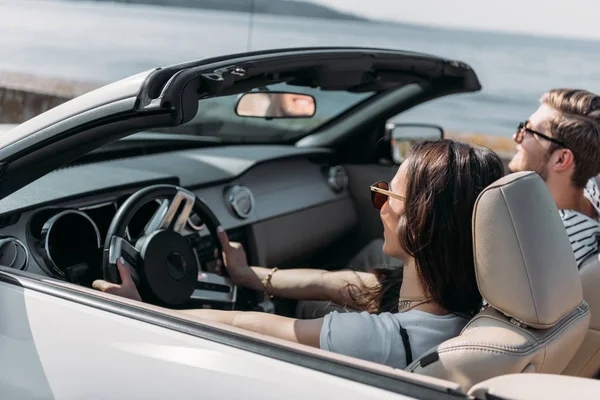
{"x": 380, "y": 191}
{"x": 523, "y": 128}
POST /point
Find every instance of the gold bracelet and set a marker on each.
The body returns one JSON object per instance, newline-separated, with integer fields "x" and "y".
{"x": 267, "y": 282}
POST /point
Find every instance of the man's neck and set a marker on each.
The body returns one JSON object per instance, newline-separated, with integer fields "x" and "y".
{"x": 568, "y": 197}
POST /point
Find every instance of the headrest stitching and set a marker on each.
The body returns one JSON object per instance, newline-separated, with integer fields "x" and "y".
{"x": 512, "y": 222}
{"x": 535, "y": 343}
{"x": 502, "y": 319}
{"x": 488, "y": 350}
{"x": 552, "y": 331}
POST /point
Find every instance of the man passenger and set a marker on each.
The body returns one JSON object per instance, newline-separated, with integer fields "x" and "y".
{"x": 561, "y": 142}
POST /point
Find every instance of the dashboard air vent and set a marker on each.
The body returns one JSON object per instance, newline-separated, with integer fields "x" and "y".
{"x": 241, "y": 200}
{"x": 337, "y": 178}
{"x": 8, "y": 221}
{"x": 13, "y": 253}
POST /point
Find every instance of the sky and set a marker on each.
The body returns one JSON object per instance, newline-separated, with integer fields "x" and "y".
{"x": 573, "y": 18}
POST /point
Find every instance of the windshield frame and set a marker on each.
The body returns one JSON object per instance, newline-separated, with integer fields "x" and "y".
{"x": 233, "y": 128}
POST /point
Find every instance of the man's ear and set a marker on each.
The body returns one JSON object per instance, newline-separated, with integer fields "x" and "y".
{"x": 563, "y": 160}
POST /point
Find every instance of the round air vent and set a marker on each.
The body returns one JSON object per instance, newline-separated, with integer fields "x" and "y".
{"x": 337, "y": 178}
{"x": 13, "y": 253}
{"x": 241, "y": 200}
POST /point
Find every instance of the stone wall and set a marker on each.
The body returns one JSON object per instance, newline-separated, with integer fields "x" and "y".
{"x": 24, "y": 96}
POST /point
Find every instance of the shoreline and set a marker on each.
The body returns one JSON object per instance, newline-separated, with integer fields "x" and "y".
{"x": 504, "y": 146}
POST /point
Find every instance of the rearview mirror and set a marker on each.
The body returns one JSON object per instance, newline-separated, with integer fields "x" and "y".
{"x": 276, "y": 105}
{"x": 402, "y": 136}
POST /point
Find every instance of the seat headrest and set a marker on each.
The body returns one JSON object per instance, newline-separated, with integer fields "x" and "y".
{"x": 524, "y": 262}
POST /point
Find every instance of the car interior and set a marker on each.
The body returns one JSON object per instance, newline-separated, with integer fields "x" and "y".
{"x": 288, "y": 207}
{"x": 297, "y": 204}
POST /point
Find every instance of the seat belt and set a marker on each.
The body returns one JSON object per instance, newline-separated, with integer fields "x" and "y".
{"x": 406, "y": 343}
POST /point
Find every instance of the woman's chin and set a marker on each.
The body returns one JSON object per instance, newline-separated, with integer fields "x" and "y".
{"x": 389, "y": 250}
{"x": 393, "y": 250}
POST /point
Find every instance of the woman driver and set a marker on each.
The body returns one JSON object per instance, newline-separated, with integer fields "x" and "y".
{"x": 426, "y": 214}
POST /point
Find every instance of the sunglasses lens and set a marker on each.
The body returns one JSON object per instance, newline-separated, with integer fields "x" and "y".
{"x": 379, "y": 199}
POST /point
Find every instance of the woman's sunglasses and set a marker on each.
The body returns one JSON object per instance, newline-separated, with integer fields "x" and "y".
{"x": 380, "y": 191}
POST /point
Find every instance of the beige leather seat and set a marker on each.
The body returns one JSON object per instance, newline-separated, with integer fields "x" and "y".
{"x": 586, "y": 362}
{"x": 536, "y": 318}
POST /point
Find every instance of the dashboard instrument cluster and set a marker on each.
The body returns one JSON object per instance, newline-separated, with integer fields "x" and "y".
{"x": 68, "y": 242}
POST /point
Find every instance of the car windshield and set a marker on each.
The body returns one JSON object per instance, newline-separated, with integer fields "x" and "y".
{"x": 217, "y": 117}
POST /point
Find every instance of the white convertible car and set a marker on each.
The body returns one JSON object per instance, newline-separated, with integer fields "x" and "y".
{"x": 279, "y": 147}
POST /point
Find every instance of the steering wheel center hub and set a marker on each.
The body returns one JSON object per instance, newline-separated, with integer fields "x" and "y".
{"x": 170, "y": 265}
{"x": 176, "y": 266}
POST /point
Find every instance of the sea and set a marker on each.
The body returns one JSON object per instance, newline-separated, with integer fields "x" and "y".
{"x": 103, "y": 42}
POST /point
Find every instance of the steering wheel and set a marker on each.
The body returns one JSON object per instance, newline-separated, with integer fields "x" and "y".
{"x": 165, "y": 268}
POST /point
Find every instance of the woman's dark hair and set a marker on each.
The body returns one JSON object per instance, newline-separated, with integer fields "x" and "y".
{"x": 444, "y": 178}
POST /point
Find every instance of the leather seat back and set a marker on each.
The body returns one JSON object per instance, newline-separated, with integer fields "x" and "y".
{"x": 536, "y": 318}
{"x": 586, "y": 362}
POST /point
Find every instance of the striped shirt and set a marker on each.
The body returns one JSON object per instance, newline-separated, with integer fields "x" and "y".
{"x": 583, "y": 231}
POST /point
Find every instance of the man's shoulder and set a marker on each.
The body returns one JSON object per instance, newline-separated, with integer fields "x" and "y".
{"x": 571, "y": 217}
{"x": 593, "y": 182}
{"x": 592, "y": 192}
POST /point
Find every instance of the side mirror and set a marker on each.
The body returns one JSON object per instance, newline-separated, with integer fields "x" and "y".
{"x": 402, "y": 136}
{"x": 276, "y": 105}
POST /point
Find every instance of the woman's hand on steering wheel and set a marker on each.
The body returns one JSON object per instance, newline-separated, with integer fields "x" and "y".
{"x": 234, "y": 259}
{"x": 126, "y": 289}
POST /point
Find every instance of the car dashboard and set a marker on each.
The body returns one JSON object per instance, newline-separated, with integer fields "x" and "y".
{"x": 281, "y": 202}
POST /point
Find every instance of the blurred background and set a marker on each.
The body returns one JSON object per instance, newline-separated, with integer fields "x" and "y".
{"x": 519, "y": 49}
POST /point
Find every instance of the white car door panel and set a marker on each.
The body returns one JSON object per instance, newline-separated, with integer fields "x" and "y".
{"x": 57, "y": 349}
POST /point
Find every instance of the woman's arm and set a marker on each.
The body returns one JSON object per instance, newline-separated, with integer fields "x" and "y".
{"x": 303, "y": 331}
{"x": 298, "y": 331}
{"x": 299, "y": 284}
{"x": 312, "y": 284}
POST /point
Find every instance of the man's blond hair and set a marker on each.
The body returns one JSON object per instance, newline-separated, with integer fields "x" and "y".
{"x": 578, "y": 127}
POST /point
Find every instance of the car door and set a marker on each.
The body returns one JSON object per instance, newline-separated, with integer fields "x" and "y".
{"x": 62, "y": 343}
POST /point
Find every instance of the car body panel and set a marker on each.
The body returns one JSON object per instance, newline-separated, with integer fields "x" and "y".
{"x": 537, "y": 386}
{"x": 60, "y": 349}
